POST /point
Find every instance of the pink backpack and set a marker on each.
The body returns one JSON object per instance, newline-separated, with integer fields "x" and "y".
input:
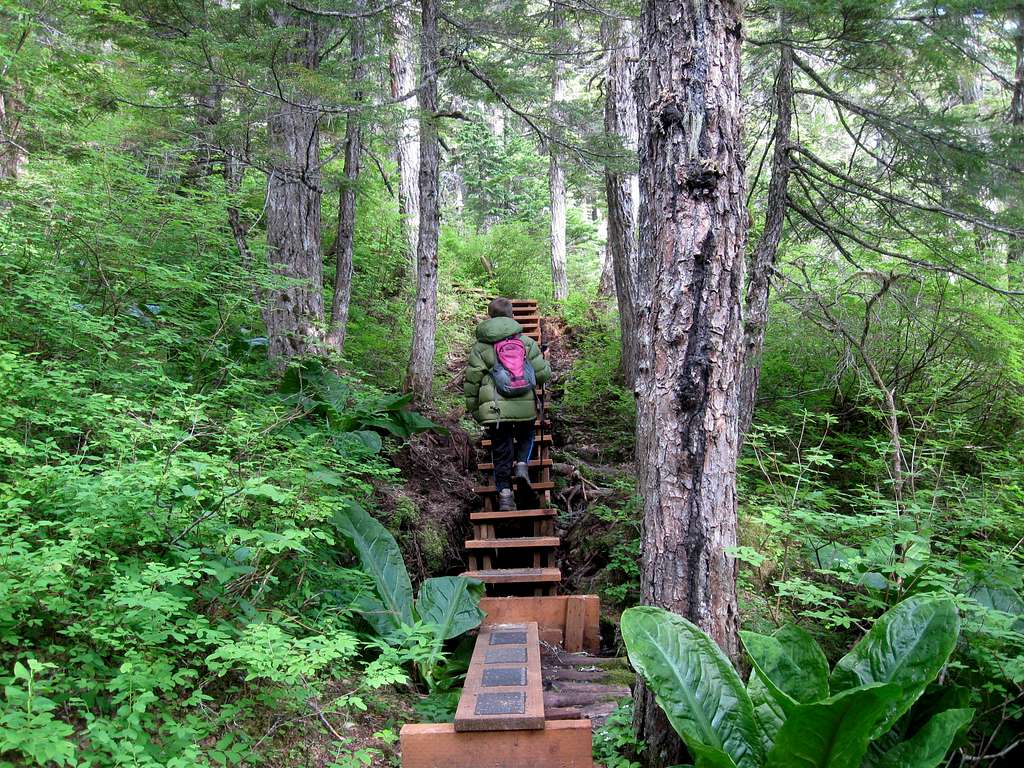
{"x": 512, "y": 373}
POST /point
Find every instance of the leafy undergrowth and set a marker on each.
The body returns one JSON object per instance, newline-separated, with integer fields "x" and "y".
{"x": 173, "y": 591}
{"x": 823, "y": 542}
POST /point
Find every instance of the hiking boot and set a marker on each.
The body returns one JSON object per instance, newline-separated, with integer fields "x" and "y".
{"x": 521, "y": 472}
{"x": 506, "y": 500}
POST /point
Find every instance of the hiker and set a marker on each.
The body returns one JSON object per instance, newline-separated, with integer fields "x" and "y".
{"x": 504, "y": 365}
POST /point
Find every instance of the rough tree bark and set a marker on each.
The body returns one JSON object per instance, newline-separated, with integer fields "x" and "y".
{"x": 294, "y": 307}
{"x": 421, "y": 361}
{"x": 236, "y": 161}
{"x": 343, "y": 240}
{"x": 606, "y": 281}
{"x": 1017, "y": 102}
{"x": 1015, "y": 248}
{"x": 693, "y": 226}
{"x": 762, "y": 261}
{"x": 403, "y": 81}
{"x": 556, "y": 173}
{"x": 12, "y": 154}
{"x": 621, "y": 182}
{"x": 209, "y": 112}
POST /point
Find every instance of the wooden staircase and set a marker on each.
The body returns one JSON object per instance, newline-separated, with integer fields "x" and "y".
{"x": 514, "y": 552}
{"x": 503, "y": 718}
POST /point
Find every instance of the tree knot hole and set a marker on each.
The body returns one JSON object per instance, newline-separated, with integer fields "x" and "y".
{"x": 699, "y": 176}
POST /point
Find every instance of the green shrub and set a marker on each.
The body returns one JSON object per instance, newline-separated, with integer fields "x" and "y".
{"x": 792, "y": 710}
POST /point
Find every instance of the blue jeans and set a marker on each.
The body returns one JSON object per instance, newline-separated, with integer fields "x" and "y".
{"x": 509, "y": 440}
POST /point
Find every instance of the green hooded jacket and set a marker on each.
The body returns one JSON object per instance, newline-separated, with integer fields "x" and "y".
{"x": 482, "y": 399}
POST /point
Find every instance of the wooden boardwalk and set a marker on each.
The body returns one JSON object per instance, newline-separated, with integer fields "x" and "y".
{"x": 531, "y": 685}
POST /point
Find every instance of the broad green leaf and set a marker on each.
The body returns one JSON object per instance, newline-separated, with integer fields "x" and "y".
{"x": 394, "y": 402}
{"x": 382, "y": 561}
{"x": 768, "y": 712}
{"x": 376, "y": 614}
{"x": 450, "y": 603}
{"x": 694, "y": 684}
{"x": 368, "y": 439}
{"x": 908, "y": 645}
{"x": 764, "y": 649}
{"x": 810, "y": 683}
{"x": 927, "y": 748}
{"x": 1001, "y": 598}
{"x": 833, "y": 733}
{"x": 412, "y": 422}
{"x": 267, "y": 491}
{"x": 709, "y": 757}
{"x": 792, "y": 665}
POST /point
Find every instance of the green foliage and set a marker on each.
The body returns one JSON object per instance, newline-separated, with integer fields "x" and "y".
{"x": 348, "y": 413}
{"x": 791, "y": 713}
{"x": 694, "y": 684}
{"x": 445, "y": 608}
{"x": 165, "y": 510}
{"x": 593, "y": 394}
{"x": 907, "y": 646}
{"x": 821, "y": 544}
{"x": 508, "y": 259}
{"x": 619, "y": 580}
{"x": 616, "y": 737}
{"x": 28, "y": 725}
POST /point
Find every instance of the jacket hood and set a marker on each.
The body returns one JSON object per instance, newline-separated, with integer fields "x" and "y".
{"x": 497, "y": 328}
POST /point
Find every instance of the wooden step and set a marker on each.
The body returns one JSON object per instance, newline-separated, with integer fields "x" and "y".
{"x": 519, "y": 542}
{"x": 515, "y": 575}
{"x": 489, "y": 466}
{"x": 515, "y": 514}
{"x": 542, "y": 439}
{"x": 485, "y": 489}
{"x": 503, "y": 689}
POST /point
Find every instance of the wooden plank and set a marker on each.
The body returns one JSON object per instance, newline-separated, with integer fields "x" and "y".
{"x": 575, "y": 619}
{"x": 596, "y": 713}
{"x": 541, "y": 486}
{"x": 517, "y": 542}
{"x": 516, "y": 514}
{"x": 504, "y": 652}
{"x": 561, "y": 744}
{"x": 488, "y": 466}
{"x": 550, "y": 614}
{"x": 554, "y": 699}
{"x": 486, "y": 443}
{"x": 514, "y": 575}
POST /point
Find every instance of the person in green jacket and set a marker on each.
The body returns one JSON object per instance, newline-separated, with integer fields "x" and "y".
{"x": 508, "y": 420}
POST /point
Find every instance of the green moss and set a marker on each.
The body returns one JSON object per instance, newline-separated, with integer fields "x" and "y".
{"x": 404, "y": 513}
{"x": 432, "y": 544}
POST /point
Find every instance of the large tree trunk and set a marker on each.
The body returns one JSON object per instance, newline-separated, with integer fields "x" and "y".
{"x": 693, "y": 226}
{"x": 424, "y": 328}
{"x": 236, "y": 162}
{"x": 606, "y": 281}
{"x": 209, "y": 112}
{"x": 762, "y": 262}
{"x": 1015, "y": 248}
{"x": 556, "y": 173}
{"x": 294, "y": 311}
{"x": 12, "y": 154}
{"x": 1017, "y": 102}
{"x": 403, "y": 81}
{"x": 344, "y": 238}
{"x": 621, "y": 183}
